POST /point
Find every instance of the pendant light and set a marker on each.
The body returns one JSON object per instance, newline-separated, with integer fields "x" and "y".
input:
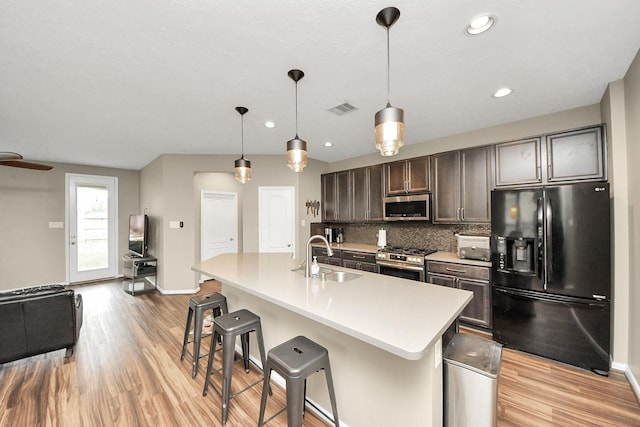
{"x": 296, "y": 147}
{"x": 389, "y": 122}
{"x": 242, "y": 165}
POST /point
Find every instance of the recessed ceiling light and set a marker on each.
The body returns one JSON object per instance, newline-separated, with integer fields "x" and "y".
{"x": 328, "y": 144}
{"x": 480, "y": 24}
{"x": 502, "y": 92}
{"x": 269, "y": 124}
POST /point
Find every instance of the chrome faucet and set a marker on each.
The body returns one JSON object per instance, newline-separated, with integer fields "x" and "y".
{"x": 307, "y": 264}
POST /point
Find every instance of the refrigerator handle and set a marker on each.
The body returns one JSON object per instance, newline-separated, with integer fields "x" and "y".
{"x": 540, "y": 239}
{"x": 548, "y": 243}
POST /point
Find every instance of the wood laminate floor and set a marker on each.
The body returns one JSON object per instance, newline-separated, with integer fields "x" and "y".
{"x": 126, "y": 371}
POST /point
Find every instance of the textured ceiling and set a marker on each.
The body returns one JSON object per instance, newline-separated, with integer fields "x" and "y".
{"x": 117, "y": 83}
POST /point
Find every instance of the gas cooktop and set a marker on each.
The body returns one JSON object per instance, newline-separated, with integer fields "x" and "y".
{"x": 406, "y": 251}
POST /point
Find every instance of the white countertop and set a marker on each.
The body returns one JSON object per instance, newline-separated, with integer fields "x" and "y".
{"x": 453, "y": 257}
{"x": 403, "y": 317}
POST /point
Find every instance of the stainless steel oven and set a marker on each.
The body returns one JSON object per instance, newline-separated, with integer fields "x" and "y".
{"x": 403, "y": 263}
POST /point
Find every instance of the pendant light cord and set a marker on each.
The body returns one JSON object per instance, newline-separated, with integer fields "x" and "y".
{"x": 242, "y": 133}
{"x": 388, "y": 69}
{"x": 296, "y": 110}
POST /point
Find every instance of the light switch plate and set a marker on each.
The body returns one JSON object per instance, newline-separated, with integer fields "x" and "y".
{"x": 56, "y": 224}
{"x": 174, "y": 224}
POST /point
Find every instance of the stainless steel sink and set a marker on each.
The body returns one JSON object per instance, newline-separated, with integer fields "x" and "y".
{"x": 323, "y": 270}
{"x": 328, "y": 274}
{"x": 341, "y": 276}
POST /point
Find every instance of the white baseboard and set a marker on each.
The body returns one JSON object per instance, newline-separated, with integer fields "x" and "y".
{"x": 623, "y": 367}
{"x": 619, "y": 366}
{"x": 178, "y": 291}
{"x": 633, "y": 381}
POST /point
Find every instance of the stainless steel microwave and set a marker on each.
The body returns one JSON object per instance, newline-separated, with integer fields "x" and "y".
{"x": 407, "y": 208}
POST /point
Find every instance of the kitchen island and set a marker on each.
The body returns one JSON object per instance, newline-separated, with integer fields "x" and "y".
{"x": 384, "y": 334}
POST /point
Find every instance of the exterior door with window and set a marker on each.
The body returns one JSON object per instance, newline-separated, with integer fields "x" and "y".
{"x": 92, "y": 221}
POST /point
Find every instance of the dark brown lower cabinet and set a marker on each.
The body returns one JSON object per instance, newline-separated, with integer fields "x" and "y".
{"x": 323, "y": 258}
{"x": 470, "y": 278}
{"x": 360, "y": 261}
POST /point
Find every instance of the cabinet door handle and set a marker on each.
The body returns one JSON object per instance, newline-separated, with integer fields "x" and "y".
{"x": 359, "y": 257}
{"x": 455, "y": 270}
{"x": 461, "y": 214}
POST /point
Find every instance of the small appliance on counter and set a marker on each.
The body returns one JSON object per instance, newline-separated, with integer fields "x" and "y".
{"x": 474, "y": 247}
{"x": 334, "y": 235}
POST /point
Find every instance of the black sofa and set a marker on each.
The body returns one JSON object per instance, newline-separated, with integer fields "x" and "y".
{"x": 38, "y": 320}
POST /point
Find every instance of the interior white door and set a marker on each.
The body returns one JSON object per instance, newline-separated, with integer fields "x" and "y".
{"x": 277, "y": 220}
{"x": 218, "y": 223}
{"x": 92, "y": 219}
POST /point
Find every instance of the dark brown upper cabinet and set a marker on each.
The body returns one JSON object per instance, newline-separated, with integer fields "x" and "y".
{"x": 518, "y": 163}
{"x": 409, "y": 176}
{"x": 336, "y": 206}
{"x": 571, "y": 156}
{"x": 366, "y": 193}
{"x": 462, "y": 182}
{"x": 576, "y": 156}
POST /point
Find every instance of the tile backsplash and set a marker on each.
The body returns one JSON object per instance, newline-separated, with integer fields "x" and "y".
{"x": 423, "y": 235}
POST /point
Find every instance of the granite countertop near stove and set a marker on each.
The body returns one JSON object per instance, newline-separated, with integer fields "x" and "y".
{"x": 348, "y": 246}
{"x": 453, "y": 257}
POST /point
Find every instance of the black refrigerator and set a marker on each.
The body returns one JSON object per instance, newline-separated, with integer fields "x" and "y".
{"x": 551, "y": 272}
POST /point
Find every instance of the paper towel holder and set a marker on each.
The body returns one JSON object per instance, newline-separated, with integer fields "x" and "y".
{"x": 382, "y": 238}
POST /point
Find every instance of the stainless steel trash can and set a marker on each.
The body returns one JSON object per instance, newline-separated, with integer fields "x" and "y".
{"x": 471, "y": 368}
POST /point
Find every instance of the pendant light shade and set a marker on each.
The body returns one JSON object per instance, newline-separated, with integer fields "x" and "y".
{"x": 296, "y": 147}
{"x": 242, "y": 165}
{"x": 389, "y": 122}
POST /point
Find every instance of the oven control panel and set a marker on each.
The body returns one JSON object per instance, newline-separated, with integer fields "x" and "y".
{"x": 401, "y": 258}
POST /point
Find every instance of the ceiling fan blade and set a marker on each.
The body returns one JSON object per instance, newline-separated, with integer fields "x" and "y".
{"x": 25, "y": 165}
{"x": 9, "y": 155}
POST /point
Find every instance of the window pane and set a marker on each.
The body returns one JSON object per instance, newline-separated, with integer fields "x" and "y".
{"x": 93, "y": 228}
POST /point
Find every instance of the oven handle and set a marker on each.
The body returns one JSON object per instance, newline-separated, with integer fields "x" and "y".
{"x": 400, "y": 266}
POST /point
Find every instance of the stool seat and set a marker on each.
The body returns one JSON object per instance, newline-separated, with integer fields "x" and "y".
{"x": 295, "y": 360}
{"x": 198, "y": 305}
{"x": 229, "y": 326}
{"x": 298, "y": 357}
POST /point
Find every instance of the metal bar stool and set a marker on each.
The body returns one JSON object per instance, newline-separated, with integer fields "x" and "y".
{"x": 215, "y": 302}
{"x": 295, "y": 360}
{"x": 229, "y": 326}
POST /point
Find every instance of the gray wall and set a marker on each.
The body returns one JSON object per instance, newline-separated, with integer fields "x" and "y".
{"x": 632, "y": 109}
{"x": 168, "y": 186}
{"x": 31, "y": 253}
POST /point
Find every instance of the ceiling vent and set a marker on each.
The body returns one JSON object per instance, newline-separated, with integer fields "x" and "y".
{"x": 342, "y": 109}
